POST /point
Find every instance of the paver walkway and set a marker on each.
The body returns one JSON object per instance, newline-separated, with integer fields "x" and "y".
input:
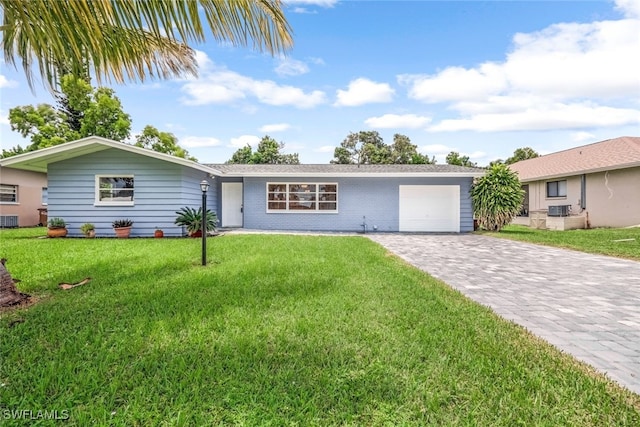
{"x": 586, "y": 305}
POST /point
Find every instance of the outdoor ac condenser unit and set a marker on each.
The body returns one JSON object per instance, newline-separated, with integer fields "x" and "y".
{"x": 559, "y": 210}
{"x": 8, "y": 221}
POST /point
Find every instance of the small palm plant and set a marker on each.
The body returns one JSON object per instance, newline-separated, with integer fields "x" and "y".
{"x": 497, "y": 197}
{"x": 191, "y": 219}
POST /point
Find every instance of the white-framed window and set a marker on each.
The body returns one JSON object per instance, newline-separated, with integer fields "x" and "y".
{"x": 8, "y": 193}
{"x": 45, "y": 195}
{"x": 557, "y": 188}
{"x": 302, "y": 197}
{"x": 114, "y": 190}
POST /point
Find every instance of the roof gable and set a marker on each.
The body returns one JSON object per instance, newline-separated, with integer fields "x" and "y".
{"x": 38, "y": 160}
{"x": 617, "y": 153}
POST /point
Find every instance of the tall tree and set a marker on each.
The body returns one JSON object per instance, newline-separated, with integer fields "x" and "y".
{"x": 123, "y": 39}
{"x": 162, "y": 142}
{"x": 368, "y": 147}
{"x": 454, "y": 158}
{"x": 520, "y": 154}
{"x": 404, "y": 152}
{"x": 98, "y": 111}
{"x": 362, "y": 147}
{"x": 269, "y": 151}
{"x": 497, "y": 197}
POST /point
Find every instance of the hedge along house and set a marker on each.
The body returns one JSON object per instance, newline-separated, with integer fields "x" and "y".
{"x": 595, "y": 185}
{"x": 98, "y": 180}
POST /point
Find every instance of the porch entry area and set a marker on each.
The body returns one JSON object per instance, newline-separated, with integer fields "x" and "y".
{"x": 232, "y": 215}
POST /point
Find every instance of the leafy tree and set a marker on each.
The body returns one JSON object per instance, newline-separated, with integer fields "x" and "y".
{"x": 522, "y": 154}
{"x": 242, "y": 155}
{"x": 94, "y": 112}
{"x": 268, "y": 152}
{"x": 162, "y": 142}
{"x": 124, "y": 39}
{"x": 404, "y": 152}
{"x": 364, "y": 147}
{"x": 368, "y": 147}
{"x": 454, "y": 158}
{"x": 497, "y": 197}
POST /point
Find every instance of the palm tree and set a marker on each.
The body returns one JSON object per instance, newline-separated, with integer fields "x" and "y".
{"x": 132, "y": 39}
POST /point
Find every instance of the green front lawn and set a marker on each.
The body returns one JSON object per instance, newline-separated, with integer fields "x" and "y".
{"x": 277, "y": 330}
{"x": 618, "y": 242}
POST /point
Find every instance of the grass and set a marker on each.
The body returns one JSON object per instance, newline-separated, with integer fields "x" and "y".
{"x": 276, "y": 330}
{"x": 618, "y": 242}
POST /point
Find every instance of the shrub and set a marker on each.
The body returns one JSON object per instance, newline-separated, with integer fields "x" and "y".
{"x": 191, "y": 219}
{"x": 497, "y": 197}
{"x": 120, "y": 223}
{"x": 57, "y": 223}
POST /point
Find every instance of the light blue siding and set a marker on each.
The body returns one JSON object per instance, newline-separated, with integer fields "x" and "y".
{"x": 375, "y": 199}
{"x": 161, "y": 188}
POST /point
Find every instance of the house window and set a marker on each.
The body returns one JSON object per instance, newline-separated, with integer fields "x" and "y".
{"x": 45, "y": 196}
{"x": 557, "y": 188}
{"x": 114, "y": 190}
{"x": 8, "y": 193}
{"x": 302, "y": 197}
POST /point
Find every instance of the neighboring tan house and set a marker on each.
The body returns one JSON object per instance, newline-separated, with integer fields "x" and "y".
{"x": 23, "y": 198}
{"x": 596, "y": 185}
{"x": 98, "y": 180}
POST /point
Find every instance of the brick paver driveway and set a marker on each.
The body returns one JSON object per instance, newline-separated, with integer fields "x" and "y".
{"x": 586, "y": 305}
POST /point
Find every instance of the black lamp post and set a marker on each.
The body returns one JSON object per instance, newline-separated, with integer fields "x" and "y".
{"x": 204, "y": 186}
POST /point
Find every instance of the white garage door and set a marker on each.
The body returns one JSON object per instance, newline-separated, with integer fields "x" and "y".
{"x": 430, "y": 208}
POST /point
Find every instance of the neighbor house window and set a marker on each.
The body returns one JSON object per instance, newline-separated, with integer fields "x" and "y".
{"x": 45, "y": 196}
{"x": 114, "y": 190}
{"x": 8, "y": 193}
{"x": 557, "y": 188}
{"x": 302, "y": 197}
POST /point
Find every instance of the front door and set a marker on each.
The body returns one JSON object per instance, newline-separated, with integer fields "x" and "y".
{"x": 231, "y": 204}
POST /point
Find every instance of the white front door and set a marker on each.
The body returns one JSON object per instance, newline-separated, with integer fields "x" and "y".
{"x": 231, "y": 204}
{"x": 430, "y": 208}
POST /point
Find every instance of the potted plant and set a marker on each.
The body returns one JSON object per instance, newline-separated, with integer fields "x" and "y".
{"x": 88, "y": 229}
{"x": 56, "y": 227}
{"x": 191, "y": 219}
{"x": 122, "y": 227}
{"x": 158, "y": 233}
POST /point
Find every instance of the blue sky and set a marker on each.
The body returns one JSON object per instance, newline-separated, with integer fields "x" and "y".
{"x": 480, "y": 78}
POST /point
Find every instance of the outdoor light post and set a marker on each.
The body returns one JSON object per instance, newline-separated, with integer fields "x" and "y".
{"x": 204, "y": 186}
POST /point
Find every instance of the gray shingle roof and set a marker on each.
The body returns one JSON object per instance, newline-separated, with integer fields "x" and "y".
{"x": 331, "y": 169}
{"x": 610, "y": 154}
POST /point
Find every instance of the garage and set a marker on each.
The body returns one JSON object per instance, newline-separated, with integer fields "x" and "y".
{"x": 429, "y": 208}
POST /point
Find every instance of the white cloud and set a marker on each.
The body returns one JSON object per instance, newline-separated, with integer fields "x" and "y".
{"x": 4, "y": 118}
{"x": 437, "y": 149}
{"x": 217, "y": 85}
{"x": 4, "y": 82}
{"x": 317, "y": 61}
{"x": 630, "y": 8}
{"x": 456, "y": 84}
{"x": 364, "y": 91}
{"x": 388, "y": 121}
{"x": 291, "y": 67}
{"x": 475, "y": 155}
{"x": 275, "y": 127}
{"x": 582, "y": 136}
{"x": 244, "y": 140}
{"x": 566, "y": 76}
{"x": 199, "y": 141}
{"x": 543, "y": 117}
{"x": 325, "y": 149}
